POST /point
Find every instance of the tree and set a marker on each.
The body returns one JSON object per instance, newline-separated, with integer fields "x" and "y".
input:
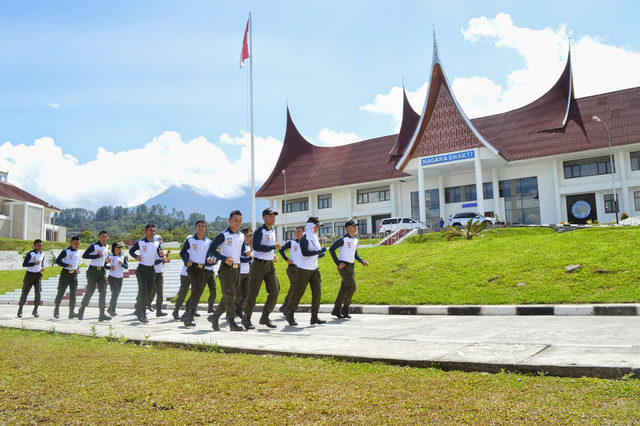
{"x": 194, "y": 217}
{"x": 104, "y": 214}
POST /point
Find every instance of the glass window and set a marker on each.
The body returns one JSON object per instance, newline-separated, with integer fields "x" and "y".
{"x": 635, "y": 160}
{"x": 609, "y": 203}
{"x": 362, "y": 226}
{"x": 487, "y": 190}
{"x": 339, "y": 228}
{"x": 587, "y": 167}
{"x": 297, "y": 205}
{"x": 374, "y": 195}
{"x": 324, "y": 201}
{"x": 521, "y": 200}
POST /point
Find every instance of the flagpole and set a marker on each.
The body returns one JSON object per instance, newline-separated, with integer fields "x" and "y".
{"x": 253, "y": 166}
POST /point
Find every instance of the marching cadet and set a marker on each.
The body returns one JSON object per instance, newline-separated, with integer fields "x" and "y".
{"x": 34, "y": 262}
{"x": 158, "y": 283}
{"x": 210, "y": 282}
{"x": 262, "y": 269}
{"x": 119, "y": 263}
{"x": 96, "y": 274}
{"x": 294, "y": 257}
{"x": 149, "y": 248}
{"x": 348, "y": 245}
{"x": 194, "y": 254}
{"x": 231, "y": 244}
{"x": 182, "y": 292}
{"x": 308, "y": 272}
{"x": 242, "y": 292}
{"x": 68, "y": 259}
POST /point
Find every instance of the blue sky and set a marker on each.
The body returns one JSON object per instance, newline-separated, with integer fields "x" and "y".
{"x": 149, "y": 94}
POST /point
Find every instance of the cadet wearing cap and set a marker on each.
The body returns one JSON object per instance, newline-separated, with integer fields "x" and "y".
{"x": 157, "y": 289}
{"x": 348, "y": 245}
{"x": 231, "y": 243}
{"x": 34, "y": 262}
{"x": 308, "y": 272}
{"x": 150, "y": 248}
{"x": 262, "y": 269}
{"x": 118, "y": 262}
{"x": 294, "y": 257}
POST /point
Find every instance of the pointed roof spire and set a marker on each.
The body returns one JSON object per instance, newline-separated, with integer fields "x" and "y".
{"x": 410, "y": 120}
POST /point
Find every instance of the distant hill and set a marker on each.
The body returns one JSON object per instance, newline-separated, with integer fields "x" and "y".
{"x": 189, "y": 201}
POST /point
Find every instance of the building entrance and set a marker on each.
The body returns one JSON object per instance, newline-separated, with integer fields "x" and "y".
{"x": 581, "y": 208}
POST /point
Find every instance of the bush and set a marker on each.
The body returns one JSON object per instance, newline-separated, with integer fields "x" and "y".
{"x": 624, "y": 216}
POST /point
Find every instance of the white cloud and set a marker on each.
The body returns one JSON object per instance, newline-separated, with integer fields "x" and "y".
{"x": 544, "y": 52}
{"x": 54, "y": 106}
{"x": 131, "y": 177}
{"x": 391, "y": 103}
{"x": 331, "y": 138}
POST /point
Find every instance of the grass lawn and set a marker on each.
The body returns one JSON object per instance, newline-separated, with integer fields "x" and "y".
{"x": 11, "y": 280}
{"x": 506, "y": 266}
{"x": 50, "y": 378}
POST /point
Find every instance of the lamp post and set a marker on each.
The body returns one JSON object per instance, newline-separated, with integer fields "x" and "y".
{"x": 613, "y": 184}
{"x": 284, "y": 213}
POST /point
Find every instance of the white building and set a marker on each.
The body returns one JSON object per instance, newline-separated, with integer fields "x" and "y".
{"x": 547, "y": 162}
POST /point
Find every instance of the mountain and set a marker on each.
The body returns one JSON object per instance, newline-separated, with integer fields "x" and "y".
{"x": 189, "y": 201}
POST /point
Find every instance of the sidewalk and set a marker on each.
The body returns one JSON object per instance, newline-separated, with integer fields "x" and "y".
{"x": 562, "y": 345}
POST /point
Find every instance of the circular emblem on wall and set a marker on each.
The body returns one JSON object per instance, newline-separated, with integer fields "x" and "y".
{"x": 581, "y": 209}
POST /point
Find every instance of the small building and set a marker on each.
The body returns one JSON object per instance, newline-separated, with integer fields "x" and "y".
{"x": 25, "y": 216}
{"x": 555, "y": 160}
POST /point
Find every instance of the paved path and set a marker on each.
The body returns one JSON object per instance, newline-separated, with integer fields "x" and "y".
{"x": 599, "y": 346}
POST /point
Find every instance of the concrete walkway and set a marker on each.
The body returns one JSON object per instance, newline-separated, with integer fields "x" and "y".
{"x": 563, "y": 345}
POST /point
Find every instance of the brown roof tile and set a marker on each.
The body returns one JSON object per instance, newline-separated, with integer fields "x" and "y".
{"x": 311, "y": 167}
{"x": 14, "y": 193}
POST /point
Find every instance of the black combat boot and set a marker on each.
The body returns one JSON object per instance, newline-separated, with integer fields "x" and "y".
{"x": 35, "y": 312}
{"x": 315, "y": 319}
{"x": 112, "y": 311}
{"x": 264, "y": 320}
{"x": 195, "y": 312}
{"x": 345, "y": 312}
{"x": 19, "y": 311}
{"x": 187, "y": 318}
{"x": 246, "y": 322}
{"x": 283, "y": 309}
{"x": 213, "y": 319}
{"x": 160, "y": 313}
{"x": 104, "y": 316}
{"x": 290, "y": 318}
{"x": 143, "y": 316}
{"x": 81, "y": 313}
{"x": 150, "y": 308}
{"x": 239, "y": 312}
{"x": 176, "y": 314}
{"x": 336, "y": 313}
{"x": 210, "y": 309}
{"x": 56, "y": 312}
{"x": 72, "y": 313}
{"x": 235, "y": 327}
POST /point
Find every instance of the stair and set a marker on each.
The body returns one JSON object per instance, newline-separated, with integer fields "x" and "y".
{"x": 398, "y": 236}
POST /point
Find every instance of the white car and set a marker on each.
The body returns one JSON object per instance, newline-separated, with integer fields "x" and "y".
{"x": 461, "y": 219}
{"x": 387, "y": 226}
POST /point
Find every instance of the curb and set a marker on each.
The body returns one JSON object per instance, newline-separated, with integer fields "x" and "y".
{"x": 630, "y": 309}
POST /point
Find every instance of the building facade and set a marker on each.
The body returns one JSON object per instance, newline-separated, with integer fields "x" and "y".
{"x": 25, "y": 216}
{"x": 558, "y": 159}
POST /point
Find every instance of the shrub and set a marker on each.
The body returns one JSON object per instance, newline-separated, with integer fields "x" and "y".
{"x": 624, "y": 216}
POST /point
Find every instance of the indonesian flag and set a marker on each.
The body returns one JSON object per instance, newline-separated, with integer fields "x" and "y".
{"x": 245, "y": 46}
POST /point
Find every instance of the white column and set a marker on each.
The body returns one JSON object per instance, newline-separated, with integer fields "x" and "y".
{"x": 479, "y": 192}
{"x": 443, "y": 213}
{"x": 394, "y": 205}
{"x": 25, "y": 223}
{"x": 625, "y": 206}
{"x": 313, "y": 205}
{"x": 495, "y": 183}
{"x": 421, "y": 199}
{"x": 350, "y": 203}
{"x": 557, "y": 200}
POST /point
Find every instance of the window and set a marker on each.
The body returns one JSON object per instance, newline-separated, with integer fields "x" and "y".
{"x": 362, "y": 226}
{"x": 521, "y": 201}
{"x": 326, "y": 228}
{"x": 636, "y": 199}
{"x": 588, "y": 167}
{"x": 290, "y": 233}
{"x": 457, "y": 194}
{"x": 339, "y": 228}
{"x": 374, "y": 195}
{"x": 297, "y": 205}
{"x": 610, "y": 204}
{"x": 324, "y": 201}
{"x": 431, "y": 204}
{"x": 635, "y": 160}
{"x": 487, "y": 190}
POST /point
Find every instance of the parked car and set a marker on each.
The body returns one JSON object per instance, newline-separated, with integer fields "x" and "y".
{"x": 461, "y": 219}
{"x": 392, "y": 224}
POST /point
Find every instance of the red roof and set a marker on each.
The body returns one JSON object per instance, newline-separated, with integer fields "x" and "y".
{"x": 410, "y": 120}
{"x": 537, "y": 130}
{"x": 14, "y": 193}
{"x": 310, "y": 167}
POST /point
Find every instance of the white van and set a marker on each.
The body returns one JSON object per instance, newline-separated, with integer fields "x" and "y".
{"x": 392, "y": 224}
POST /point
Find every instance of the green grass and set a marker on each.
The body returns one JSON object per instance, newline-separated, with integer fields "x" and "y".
{"x": 11, "y": 280}
{"x": 47, "y": 378}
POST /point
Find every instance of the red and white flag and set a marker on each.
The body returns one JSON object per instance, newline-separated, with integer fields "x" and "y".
{"x": 245, "y": 46}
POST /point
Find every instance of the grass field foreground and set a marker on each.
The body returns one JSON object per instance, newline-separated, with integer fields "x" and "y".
{"x": 69, "y": 379}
